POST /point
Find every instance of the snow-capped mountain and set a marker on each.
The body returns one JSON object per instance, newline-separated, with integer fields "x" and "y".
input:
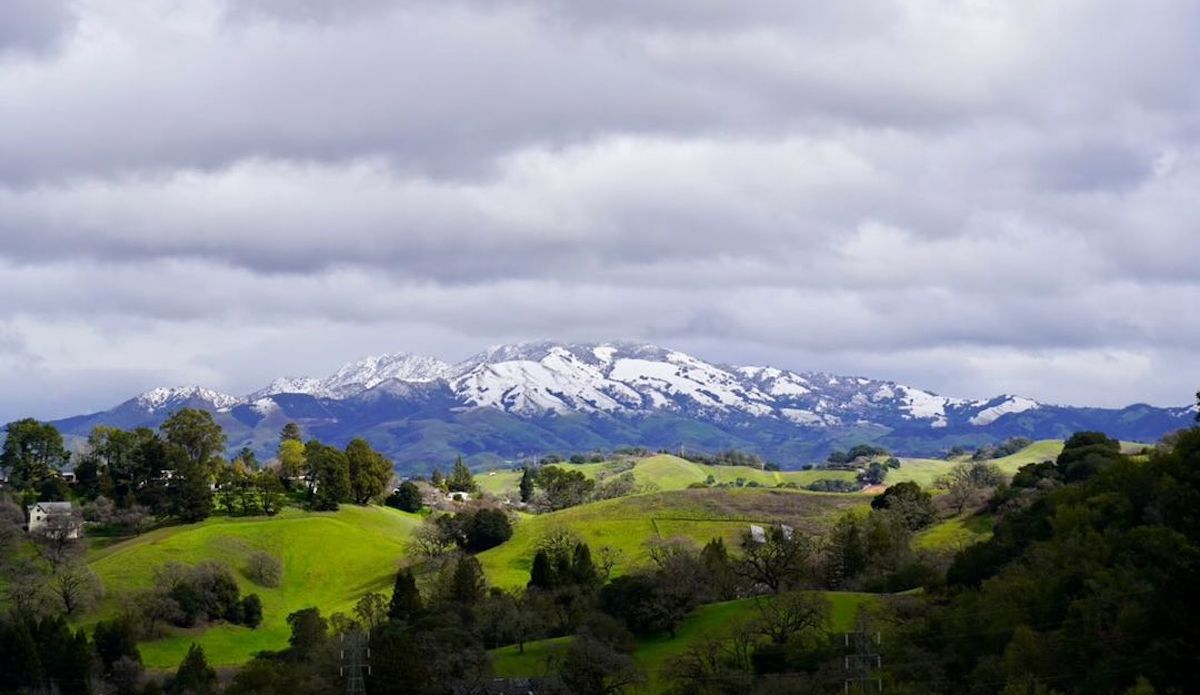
{"x": 359, "y": 376}
{"x": 527, "y": 398}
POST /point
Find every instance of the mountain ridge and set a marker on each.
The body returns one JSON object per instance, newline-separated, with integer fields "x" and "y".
{"x": 528, "y": 398}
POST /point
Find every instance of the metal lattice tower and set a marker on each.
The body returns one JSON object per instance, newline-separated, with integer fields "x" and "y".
{"x": 356, "y": 656}
{"x": 862, "y": 657}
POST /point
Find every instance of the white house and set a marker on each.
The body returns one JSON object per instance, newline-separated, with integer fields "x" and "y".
{"x": 42, "y": 513}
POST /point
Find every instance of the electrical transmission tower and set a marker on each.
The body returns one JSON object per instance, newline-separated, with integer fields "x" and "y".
{"x": 356, "y": 658}
{"x": 862, "y": 657}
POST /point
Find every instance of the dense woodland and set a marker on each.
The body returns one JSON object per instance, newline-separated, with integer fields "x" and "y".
{"x": 1086, "y": 586}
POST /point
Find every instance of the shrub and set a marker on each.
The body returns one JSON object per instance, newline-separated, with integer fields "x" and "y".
{"x": 265, "y": 569}
{"x": 252, "y": 612}
{"x": 826, "y": 485}
{"x": 406, "y": 498}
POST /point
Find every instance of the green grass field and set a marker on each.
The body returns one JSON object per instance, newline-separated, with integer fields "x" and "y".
{"x": 955, "y": 533}
{"x": 626, "y": 523}
{"x": 664, "y": 473}
{"x": 653, "y": 653}
{"x": 330, "y": 560}
{"x": 925, "y": 472}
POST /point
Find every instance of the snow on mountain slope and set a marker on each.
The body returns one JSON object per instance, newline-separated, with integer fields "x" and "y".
{"x": 166, "y": 397}
{"x": 1009, "y": 404}
{"x": 359, "y": 376}
{"x": 619, "y": 378}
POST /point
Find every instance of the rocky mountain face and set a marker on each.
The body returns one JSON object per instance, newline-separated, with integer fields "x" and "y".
{"x": 514, "y": 401}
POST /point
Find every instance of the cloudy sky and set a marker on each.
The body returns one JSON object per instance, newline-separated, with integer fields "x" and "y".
{"x": 973, "y": 197}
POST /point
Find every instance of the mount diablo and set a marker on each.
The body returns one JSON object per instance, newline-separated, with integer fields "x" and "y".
{"x": 514, "y": 401}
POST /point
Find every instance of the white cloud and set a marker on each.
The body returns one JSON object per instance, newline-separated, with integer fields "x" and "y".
{"x": 946, "y": 196}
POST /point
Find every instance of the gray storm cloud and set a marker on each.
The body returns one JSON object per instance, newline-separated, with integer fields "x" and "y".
{"x": 978, "y": 198}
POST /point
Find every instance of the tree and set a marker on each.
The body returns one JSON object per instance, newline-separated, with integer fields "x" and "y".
{"x": 583, "y": 570}
{"x": 248, "y": 459}
{"x": 406, "y": 598}
{"x": 252, "y": 611}
{"x": 966, "y": 481}
{"x": 115, "y": 640}
{"x": 329, "y": 475}
{"x": 290, "y": 432}
{"x": 75, "y": 587}
{"x": 195, "y": 676}
{"x": 1086, "y": 453}
{"x": 309, "y": 632}
{"x": 264, "y": 569}
{"x": 784, "y": 618}
{"x": 908, "y": 500}
{"x": 270, "y": 492}
{"x": 541, "y": 574}
{"x": 460, "y": 479}
{"x": 526, "y": 486}
{"x": 467, "y": 583}
{"x": 196, "y": 437}
{"x": 592, "y": 667}
{"x": 369, "y": 471}
{"x": 564, "y": 488}
{"x": 32, "y": 452}
{"x": 372, "y": 610}
{"x": 781, "y": 560}
{"x": 485, "y": 528}
{"x": 58, "y": 539}
{"x": 291, "y": 459}
{"x": 407, "y": 497}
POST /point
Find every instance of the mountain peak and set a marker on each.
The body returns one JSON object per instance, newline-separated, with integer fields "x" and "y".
{"x": 161, "y": 397}
{"x": 361, "y": 375}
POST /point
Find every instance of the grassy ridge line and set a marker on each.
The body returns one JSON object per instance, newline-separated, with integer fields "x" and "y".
{"x": 330, "y": 560}
{"x": 925, "y": 472}
{"x": 653, "y": 653}
{"x": 668, "y": 472}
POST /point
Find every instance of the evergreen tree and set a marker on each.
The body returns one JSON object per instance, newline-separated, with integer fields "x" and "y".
{"x": 437, "y": 480}
{"x": 583, "y": 570}
{"x": 467, "y": 584}
{"x": 252, "y": 611}
{"x": 75, "y": 674}
{"x": 195, "y": 676}
{"x": 406, "y": 598}
{"x": 20, "y": 663}
{"x": 541, "y": 575}
{"x": 115, "y": 640}
{"x": 290, "y": 431}
{"x": 461, "y": 479}
{"x": 526, "y": 485}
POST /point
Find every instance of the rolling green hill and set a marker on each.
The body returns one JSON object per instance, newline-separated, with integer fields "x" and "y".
{"x": 626, "y": 523}
{"x": 666, "y": 472}
{"x": 653, "y": 653}
{"x": 329, "y": 560}
{"x": 925, "y": 472}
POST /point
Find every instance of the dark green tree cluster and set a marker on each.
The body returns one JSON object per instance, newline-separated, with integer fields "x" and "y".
{"x": 563, "y": 488}
{"x": 407, "y": 497}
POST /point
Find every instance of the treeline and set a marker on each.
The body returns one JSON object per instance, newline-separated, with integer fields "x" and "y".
{"x": 180, "y": 471}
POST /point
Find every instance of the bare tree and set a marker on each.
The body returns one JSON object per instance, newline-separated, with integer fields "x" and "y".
{"x": 788, "y": 616}
{"x": 75, "y": 587}
{"x": 607, "y": 559}
{"x": 782, "y": 560}
{"x": 58, "y": 538}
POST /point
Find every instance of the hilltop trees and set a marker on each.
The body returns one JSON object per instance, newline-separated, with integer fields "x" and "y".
{"x": 32, "y": 452}
{"x": 328, "y": 474}
{"x": 194, "y": 444}
{"x": 369, "y": 471}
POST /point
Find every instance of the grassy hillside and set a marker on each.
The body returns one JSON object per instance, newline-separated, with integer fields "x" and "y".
{"x": 955, "y": 533}
{"x": 653, "y": 653}
{"x": 666, "y": 472}
{"x": 330, "y": 560}
{"x": 926, "y": 471}
{"x": 626, "y": 523}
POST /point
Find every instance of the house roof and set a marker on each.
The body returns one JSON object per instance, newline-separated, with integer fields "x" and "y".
{"x": 54, "y": 507}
